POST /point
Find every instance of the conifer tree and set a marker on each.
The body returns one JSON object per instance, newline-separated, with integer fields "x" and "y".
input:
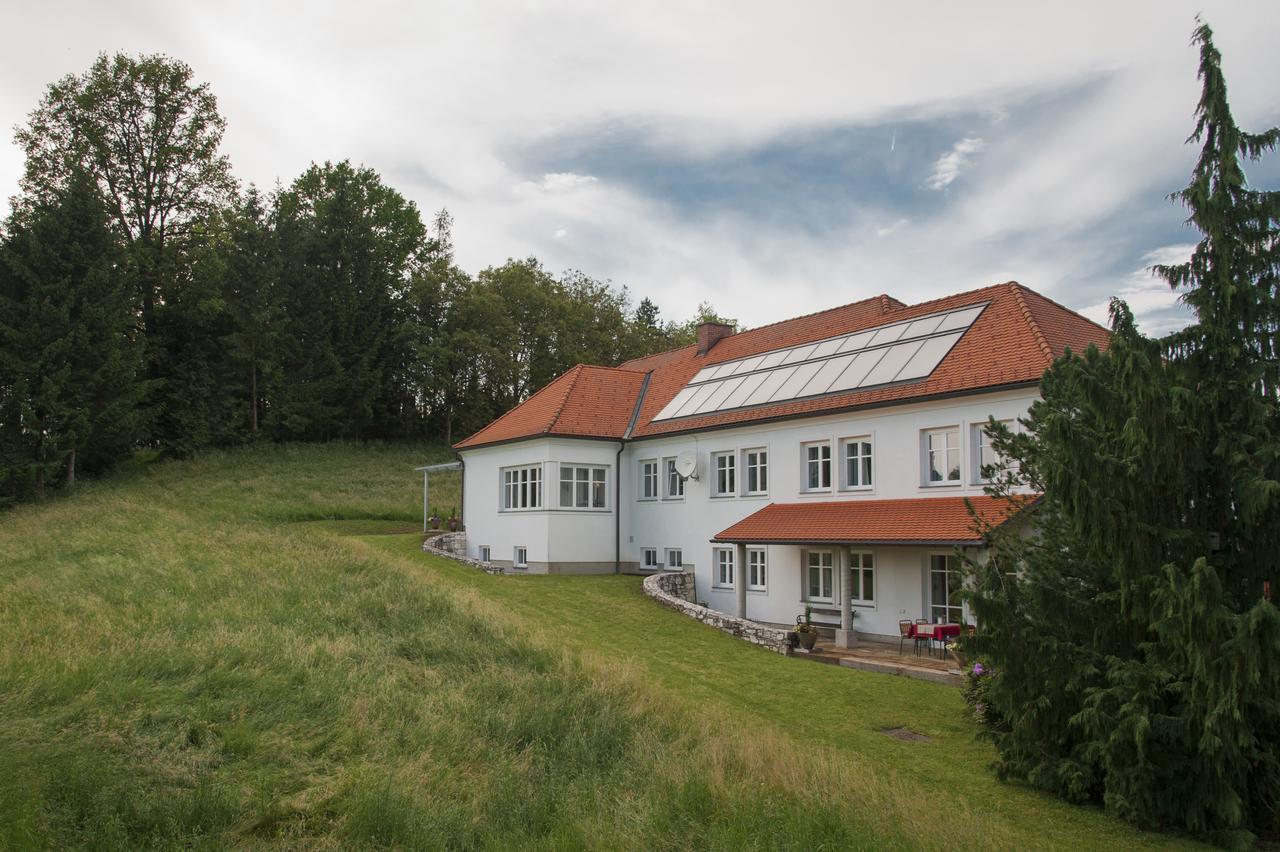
{"x": 1136, "y": 658}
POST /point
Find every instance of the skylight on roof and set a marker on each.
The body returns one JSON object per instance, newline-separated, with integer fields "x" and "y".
{"x": 897, "y": 352}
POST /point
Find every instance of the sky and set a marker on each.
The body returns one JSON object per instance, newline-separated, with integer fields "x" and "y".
{"x": 772, "y": 159}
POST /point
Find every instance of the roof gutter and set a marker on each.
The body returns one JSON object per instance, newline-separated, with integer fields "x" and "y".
{"x": 617, "y": 474}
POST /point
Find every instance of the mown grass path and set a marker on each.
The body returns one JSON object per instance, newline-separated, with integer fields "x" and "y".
{"x": 241, "y": 651}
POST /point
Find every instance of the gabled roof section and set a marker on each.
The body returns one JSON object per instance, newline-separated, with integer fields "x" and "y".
{"x": 918, "y": 520}
{"x": 585, "y": 402}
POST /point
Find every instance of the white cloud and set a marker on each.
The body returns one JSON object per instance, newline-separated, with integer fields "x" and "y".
{"x": 1153, "y": 302}
{"x": 562, "y": 181}
{"x": 948, "y": 166}
{"x": 561, "y": 233}
{"x": 886, "y": 230}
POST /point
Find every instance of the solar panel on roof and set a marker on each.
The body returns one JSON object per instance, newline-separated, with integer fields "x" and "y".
{"x": 895, "y": 352}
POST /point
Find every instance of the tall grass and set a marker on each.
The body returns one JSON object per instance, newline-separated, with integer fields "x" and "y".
{"x": 187, "y": 659}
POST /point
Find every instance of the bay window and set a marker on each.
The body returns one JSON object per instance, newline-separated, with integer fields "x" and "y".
{"x": 583, "y": 487}
{"x": 522, "y": 488}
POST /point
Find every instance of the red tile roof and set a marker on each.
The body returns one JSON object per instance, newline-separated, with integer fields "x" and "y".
{"x": 590, "y": 402}
{"x": 919, "y": 520}
{"x": 1012, "y": 342}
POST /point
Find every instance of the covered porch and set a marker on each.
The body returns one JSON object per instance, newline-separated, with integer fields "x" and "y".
{"x": 866, "y": 569}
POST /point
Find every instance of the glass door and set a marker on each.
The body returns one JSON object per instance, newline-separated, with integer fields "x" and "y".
{"x": 945, "y": 579}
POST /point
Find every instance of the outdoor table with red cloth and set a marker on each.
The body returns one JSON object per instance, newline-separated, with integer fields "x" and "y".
{"x": 941, "y": 632}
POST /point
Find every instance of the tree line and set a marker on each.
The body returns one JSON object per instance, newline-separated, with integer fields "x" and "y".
{"x": 146, "y": 300}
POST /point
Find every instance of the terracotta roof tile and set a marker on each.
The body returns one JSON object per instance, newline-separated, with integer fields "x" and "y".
{"x": 937, "y": 520}
{"x": 1012, "y": 342}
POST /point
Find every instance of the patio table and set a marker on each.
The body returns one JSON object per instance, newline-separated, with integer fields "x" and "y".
{"x": 943, "y": 633}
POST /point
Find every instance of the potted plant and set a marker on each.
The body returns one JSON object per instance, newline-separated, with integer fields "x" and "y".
{"x": 806, "y": 633}
{"x": 433, "y": 520}
{"x": 454, "y": 521}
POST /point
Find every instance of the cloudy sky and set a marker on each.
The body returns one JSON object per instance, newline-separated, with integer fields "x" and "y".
{"x": 773, "y": 159}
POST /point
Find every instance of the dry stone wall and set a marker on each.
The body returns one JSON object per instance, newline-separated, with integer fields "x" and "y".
{"x": 453, "y": 545}
{"x": 676, "y": 590}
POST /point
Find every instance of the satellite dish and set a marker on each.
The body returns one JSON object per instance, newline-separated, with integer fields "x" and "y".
{"x": 687, "y": 465}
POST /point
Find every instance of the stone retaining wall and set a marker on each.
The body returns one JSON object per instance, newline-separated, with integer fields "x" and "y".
{"x": 676, "y": 590}
{"x": 453, "y": 545}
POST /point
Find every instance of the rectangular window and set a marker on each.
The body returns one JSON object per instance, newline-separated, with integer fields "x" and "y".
{"x": 522, "y": 488}
{"x": 484, "y": 553}
{"x": 649, "y": 558}
{"x": 945, "y": 581}
{"x": 675, "y": 559}
{"x": 724, "y": 481}
{"x": 675, "y": 483}
{"x": 723, "y": 567}
{"x": 817, "y": 466}
{"x": 757, "y": 569}
{"x": 986, "y": 460}
{"x": 818, "y": 575}
{"x": 863, "y": 571}
{"x": 649, "y": 479}
{"x": 857, "y": 462}
{"x": 521, "y": 557}
{"x": 755, "y": 464}
{"x": 582, "y": 487}
{"x": 942, "y": 456}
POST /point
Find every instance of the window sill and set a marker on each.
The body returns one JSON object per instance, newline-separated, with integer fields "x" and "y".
{"x": 858, "y": 489}
{"x": 757, "y": 590}
{"x": 646, "y": 499}
{"x": 815, "y": 492}
{"x": 755, "y": 494}
{"x": 928, "y": 485}
{"x": 723, "y": 496}
{"x": 672, "y": 499}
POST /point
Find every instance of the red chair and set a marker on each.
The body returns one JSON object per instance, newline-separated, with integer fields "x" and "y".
{"x": 904, "y": 633}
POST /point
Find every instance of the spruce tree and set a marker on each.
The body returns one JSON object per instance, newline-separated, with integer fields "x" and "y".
{"x": 1136, "y": 658}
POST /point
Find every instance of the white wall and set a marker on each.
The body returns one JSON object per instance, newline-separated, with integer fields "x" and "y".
{"x": 578, "y": 537}
{"x": 551, "y": 534}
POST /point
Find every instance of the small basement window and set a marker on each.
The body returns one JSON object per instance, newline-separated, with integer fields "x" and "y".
{"x": 485, "y": 553}
{"x": 675, "y": 559}
{"x": 649, "y": 558}
{"x": 521, "y": 558}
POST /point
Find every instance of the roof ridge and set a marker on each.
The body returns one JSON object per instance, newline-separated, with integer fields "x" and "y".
{"x": 576, "y": 370}
{"x": 878, "y": 298}
{"x": 1016, "y": 288}
{"x": 1041, "y": 296}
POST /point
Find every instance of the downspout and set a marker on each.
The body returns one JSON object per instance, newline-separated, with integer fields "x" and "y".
{"x": 617, "y": 475}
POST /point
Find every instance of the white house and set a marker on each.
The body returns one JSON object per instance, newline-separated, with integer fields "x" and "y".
{"x": 820, "y": 462}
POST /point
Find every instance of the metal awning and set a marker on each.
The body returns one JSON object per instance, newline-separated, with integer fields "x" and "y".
{"x": 426, "y": 472}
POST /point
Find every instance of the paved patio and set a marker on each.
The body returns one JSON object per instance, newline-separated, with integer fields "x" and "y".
{"x": 883, "y": 657}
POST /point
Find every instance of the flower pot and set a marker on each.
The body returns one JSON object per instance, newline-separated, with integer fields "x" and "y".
{"x": 454, "y": 523}
{"x": 807, "y": 639}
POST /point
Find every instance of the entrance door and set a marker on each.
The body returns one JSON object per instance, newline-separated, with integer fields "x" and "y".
{"x": 945, "y": 579}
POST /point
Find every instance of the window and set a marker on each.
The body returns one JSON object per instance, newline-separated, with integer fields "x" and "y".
{"x": 984, "y": 455}
{"x": 863, "y": 571}
{"x": 649, "y": 479}
{"x": 945, "y": 580}
{"x": 942, "y": 456}
{"x": 582, "y": 487}
{"x": 675, "y": 559}
{"x": 521, "y": 557}
{"x": 757, "y": 569}
{"x": 675, "y": 483}
{"x": 522, "y": 488}
{"x": 817, "y": 466}
{"x": 725, "y": 482}
{"x": 649, "y": 558}
{"x": 818, "y": 575}
{"x": 857, "y": 463}
{"x": 724, "y": 567}
{"x": 484, "y": 553}
{"x": 755, "y": 464}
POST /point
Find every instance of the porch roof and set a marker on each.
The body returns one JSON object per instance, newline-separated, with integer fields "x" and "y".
{"x": 920, "y": 520}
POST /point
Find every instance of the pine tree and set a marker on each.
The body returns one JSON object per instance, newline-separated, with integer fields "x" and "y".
{"x": 1136, "y": 659}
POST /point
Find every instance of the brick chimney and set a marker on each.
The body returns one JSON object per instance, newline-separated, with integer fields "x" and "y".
{"x": 711, "y": 333}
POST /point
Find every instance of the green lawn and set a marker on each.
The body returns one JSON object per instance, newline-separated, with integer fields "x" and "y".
{"x": 241, "y": 650}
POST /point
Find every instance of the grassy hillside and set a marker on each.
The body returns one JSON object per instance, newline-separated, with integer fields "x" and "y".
{"x": 226, "y": 652}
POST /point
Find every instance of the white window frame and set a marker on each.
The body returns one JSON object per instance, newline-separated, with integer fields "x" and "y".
{"x": 520, "y": 556}
{"x": 670, "y": 476}
{"x": 857, "y": 442}
{"x": 948, "y": 434}
{"x": 980, "y": 446}
{"x": 649, "y": 477}
{"x": 757, "y": 570}
{"x": 724, "y": 462}
{"x": 678, "y": 553}
{"x": 807, "y": 464}
{"x": 589, "y": 482}
{"x": 755, "y": 462}
{"x": 485, "y": 553}
{"x": 827, "y": 575}
{"x": 526, "y": 483}
{"x": 862, "y": 565}
{"x": 645, "y": 563}
{"x": 954, "y": 567}
{"x": 722, "y": 567}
